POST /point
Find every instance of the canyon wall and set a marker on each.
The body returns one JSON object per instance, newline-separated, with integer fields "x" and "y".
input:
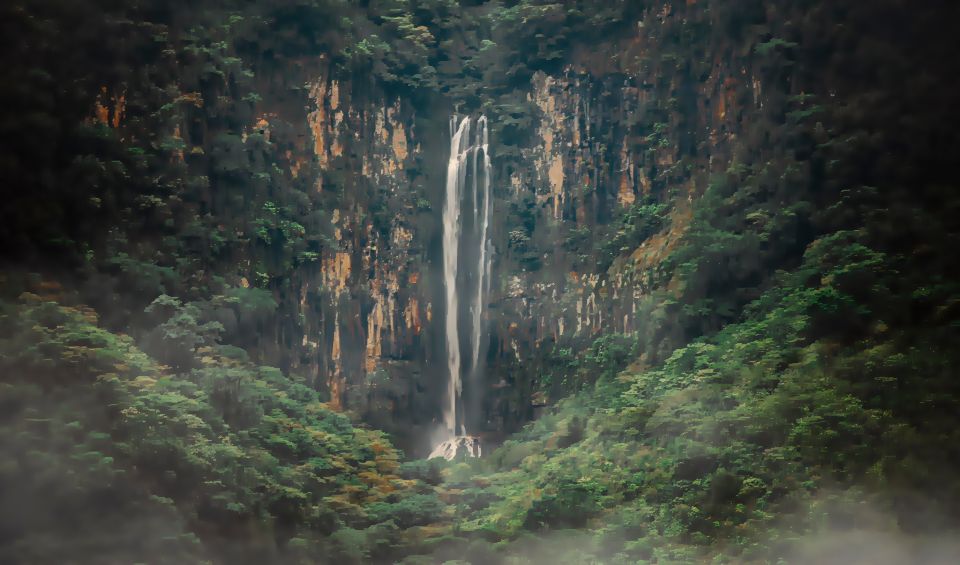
{"x": 616, "y": 125}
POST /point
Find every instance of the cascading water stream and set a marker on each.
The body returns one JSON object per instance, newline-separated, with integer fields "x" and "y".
{"x": 451, "y": 249}
{"x": 464, "y": 163}
{"x": 483, "y": 265}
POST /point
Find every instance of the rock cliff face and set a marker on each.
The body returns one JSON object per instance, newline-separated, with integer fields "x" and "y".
{"x": 305, "y": 163}
{"x": 600, "y": 148}
{"x": 358, "y": 321}
{"x": 615, "y": 125}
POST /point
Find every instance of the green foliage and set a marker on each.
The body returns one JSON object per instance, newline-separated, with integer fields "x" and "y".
{"x": 637, "y": 223}
{"x": 179, "y": 334}
{"x": 767, "y": 47}
{"x": 417, "y": 510}
{"x": 731, "y": 432}
{"x": 426, "y": 470}
{"x": 140, "y": 462}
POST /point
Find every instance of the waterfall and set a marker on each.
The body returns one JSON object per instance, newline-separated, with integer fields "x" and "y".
{"x": 483, "y": 263}
{"x": 451, "y": 251}
{"x": 466, "y": 260}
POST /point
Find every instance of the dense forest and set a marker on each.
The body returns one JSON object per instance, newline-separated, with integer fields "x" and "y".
{"x": 664, "y": 281}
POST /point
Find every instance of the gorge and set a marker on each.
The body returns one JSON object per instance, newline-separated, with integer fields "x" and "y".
{"x": 479, "y": 281}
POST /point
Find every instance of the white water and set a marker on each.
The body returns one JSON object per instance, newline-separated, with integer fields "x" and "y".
{"x": 460, "y": 444}
{"x": 463, "y": 163}
{"x": 483, "y": 264}
{"x": 451, "y": 251}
